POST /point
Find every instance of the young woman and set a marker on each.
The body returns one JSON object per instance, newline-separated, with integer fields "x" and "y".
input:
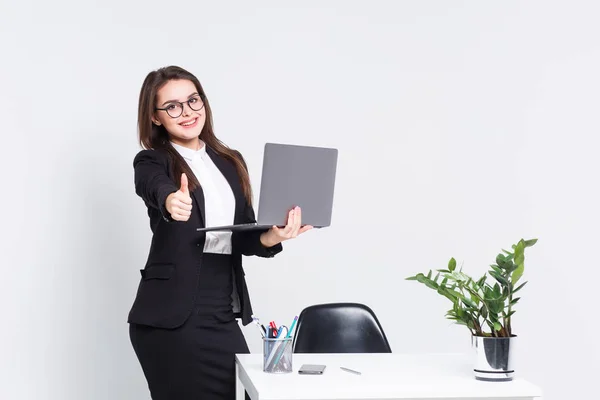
{"x": 183, "y": 325}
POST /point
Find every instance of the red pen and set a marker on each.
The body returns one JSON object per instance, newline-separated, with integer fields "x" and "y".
{"x": 272, "y": 325}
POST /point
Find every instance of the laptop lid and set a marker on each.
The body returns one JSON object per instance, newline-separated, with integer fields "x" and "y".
{"x": 294, "y": 175}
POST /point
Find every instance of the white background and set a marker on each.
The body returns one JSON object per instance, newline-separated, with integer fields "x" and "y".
{"x": 461, "y": 127}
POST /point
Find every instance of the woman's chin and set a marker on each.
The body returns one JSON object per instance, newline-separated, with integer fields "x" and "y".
{"x": 187, "y": 136}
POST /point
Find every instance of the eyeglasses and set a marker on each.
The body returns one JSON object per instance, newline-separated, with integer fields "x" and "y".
{"x": 175, "y": 109}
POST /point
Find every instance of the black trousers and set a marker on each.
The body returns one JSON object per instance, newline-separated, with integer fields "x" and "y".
{"x": 197, "y": 360}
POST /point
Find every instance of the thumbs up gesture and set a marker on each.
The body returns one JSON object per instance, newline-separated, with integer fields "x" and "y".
{"x": 179, "y": 204}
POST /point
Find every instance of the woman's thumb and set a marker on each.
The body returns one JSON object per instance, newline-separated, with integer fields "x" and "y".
{"x": 184, "y": 184}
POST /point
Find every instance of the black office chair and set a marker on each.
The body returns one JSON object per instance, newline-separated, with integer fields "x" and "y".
{"x": 339, "y": 328}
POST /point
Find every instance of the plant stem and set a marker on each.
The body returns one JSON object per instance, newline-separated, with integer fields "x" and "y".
{"x": 482, "y": 302}
{"x": 510, "y": 295}
{"x": 477, "y": 331}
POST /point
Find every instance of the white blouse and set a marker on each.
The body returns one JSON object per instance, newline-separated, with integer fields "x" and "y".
{"x": 219, "y": 201}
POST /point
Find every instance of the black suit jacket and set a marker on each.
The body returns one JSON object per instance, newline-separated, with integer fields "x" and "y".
{"x": 169, "y": 280}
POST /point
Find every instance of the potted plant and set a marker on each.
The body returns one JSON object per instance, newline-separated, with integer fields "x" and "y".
{"x": 485, "y": 306}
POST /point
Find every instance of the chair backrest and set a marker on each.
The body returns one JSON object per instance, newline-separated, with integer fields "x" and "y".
{"x": 339, "y": 328}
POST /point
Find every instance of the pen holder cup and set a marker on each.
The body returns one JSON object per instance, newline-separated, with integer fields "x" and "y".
{"x": 277, "y": 355}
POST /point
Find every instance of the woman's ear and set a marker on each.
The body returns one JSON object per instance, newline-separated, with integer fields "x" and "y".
{"x": 155, "y": 121}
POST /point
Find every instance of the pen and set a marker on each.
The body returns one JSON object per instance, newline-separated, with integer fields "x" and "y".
{"x": 259, "y": 327}
{"x": 350, "y": 370}
{"x": 255, "y": 319}
{"x": 272, "y": 324}
{"x": 291, "y": 327}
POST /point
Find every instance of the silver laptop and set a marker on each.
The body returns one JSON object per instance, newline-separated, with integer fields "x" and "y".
{"x": 293, "y": 175}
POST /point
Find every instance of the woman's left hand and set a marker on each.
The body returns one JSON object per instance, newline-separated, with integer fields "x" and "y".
{"x": 294, "y": 227}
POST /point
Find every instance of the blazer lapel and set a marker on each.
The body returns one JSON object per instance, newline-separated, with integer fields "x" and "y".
{"x": 230, "y": 173}
{"x": 198, "y": 196}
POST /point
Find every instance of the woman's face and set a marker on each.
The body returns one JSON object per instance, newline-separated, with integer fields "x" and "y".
{"x": 181, "y": 111}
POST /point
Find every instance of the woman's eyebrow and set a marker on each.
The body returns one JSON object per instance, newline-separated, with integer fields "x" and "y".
{"x": 172, "y": 101}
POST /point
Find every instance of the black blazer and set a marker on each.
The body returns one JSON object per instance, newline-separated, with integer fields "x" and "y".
{"x": 169, "y": 281}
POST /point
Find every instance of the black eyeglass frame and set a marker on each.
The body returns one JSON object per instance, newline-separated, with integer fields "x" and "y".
{"x": 182, "y": 106}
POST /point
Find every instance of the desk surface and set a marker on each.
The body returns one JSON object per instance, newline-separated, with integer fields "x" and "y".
{"x": 384, "y": 376}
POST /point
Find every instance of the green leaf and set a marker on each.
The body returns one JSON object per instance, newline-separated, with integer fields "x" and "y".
{"x": 496, "y": 306}
{"x": 510, "y": 267}
{"x": 483, "y": 311}
{"x": 452, "y": 264}
{"x": 497, "y": 291}
{"x": 469, "y": 302}
{"x": 496, "y": 270}
{"x": 519, "y": 261}
{"x": 500, "y": 260}
{"x": 436, "y": 277}
{"x": 530, "y": 242}
{"x": 499, "y": 278}
{"x": 481, "y": 281}
{"x": 429, "y": 275}
{"x": 429, "y": 283}
{"x": 519, "y": 287}
{"x": 426, "y": 281}
{"x": 518, "y": 273}
{"x": 497, "y": 326}
{"x": 520, "y": 253}
{"x": 509, "y": 255}
{"x": 449, "y": 293}
{"x": 515, "y": 301}
{"x": 444, "y": 292}
{"x": 488, "y": 293}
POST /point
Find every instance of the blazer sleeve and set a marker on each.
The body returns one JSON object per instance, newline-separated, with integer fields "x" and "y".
{"x": 249, "y": 241}
{"x": 152, "y": 182}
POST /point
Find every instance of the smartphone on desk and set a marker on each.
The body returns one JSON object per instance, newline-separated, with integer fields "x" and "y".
{"x": 311, "y": 369}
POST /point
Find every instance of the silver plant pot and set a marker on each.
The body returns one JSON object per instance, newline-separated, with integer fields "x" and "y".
{"x": 493, "y": 358}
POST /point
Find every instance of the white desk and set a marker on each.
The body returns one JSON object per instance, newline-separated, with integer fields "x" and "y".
{"x": 384, "y": 376}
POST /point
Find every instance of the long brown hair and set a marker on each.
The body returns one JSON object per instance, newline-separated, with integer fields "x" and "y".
{"x": 155, "y": 137}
